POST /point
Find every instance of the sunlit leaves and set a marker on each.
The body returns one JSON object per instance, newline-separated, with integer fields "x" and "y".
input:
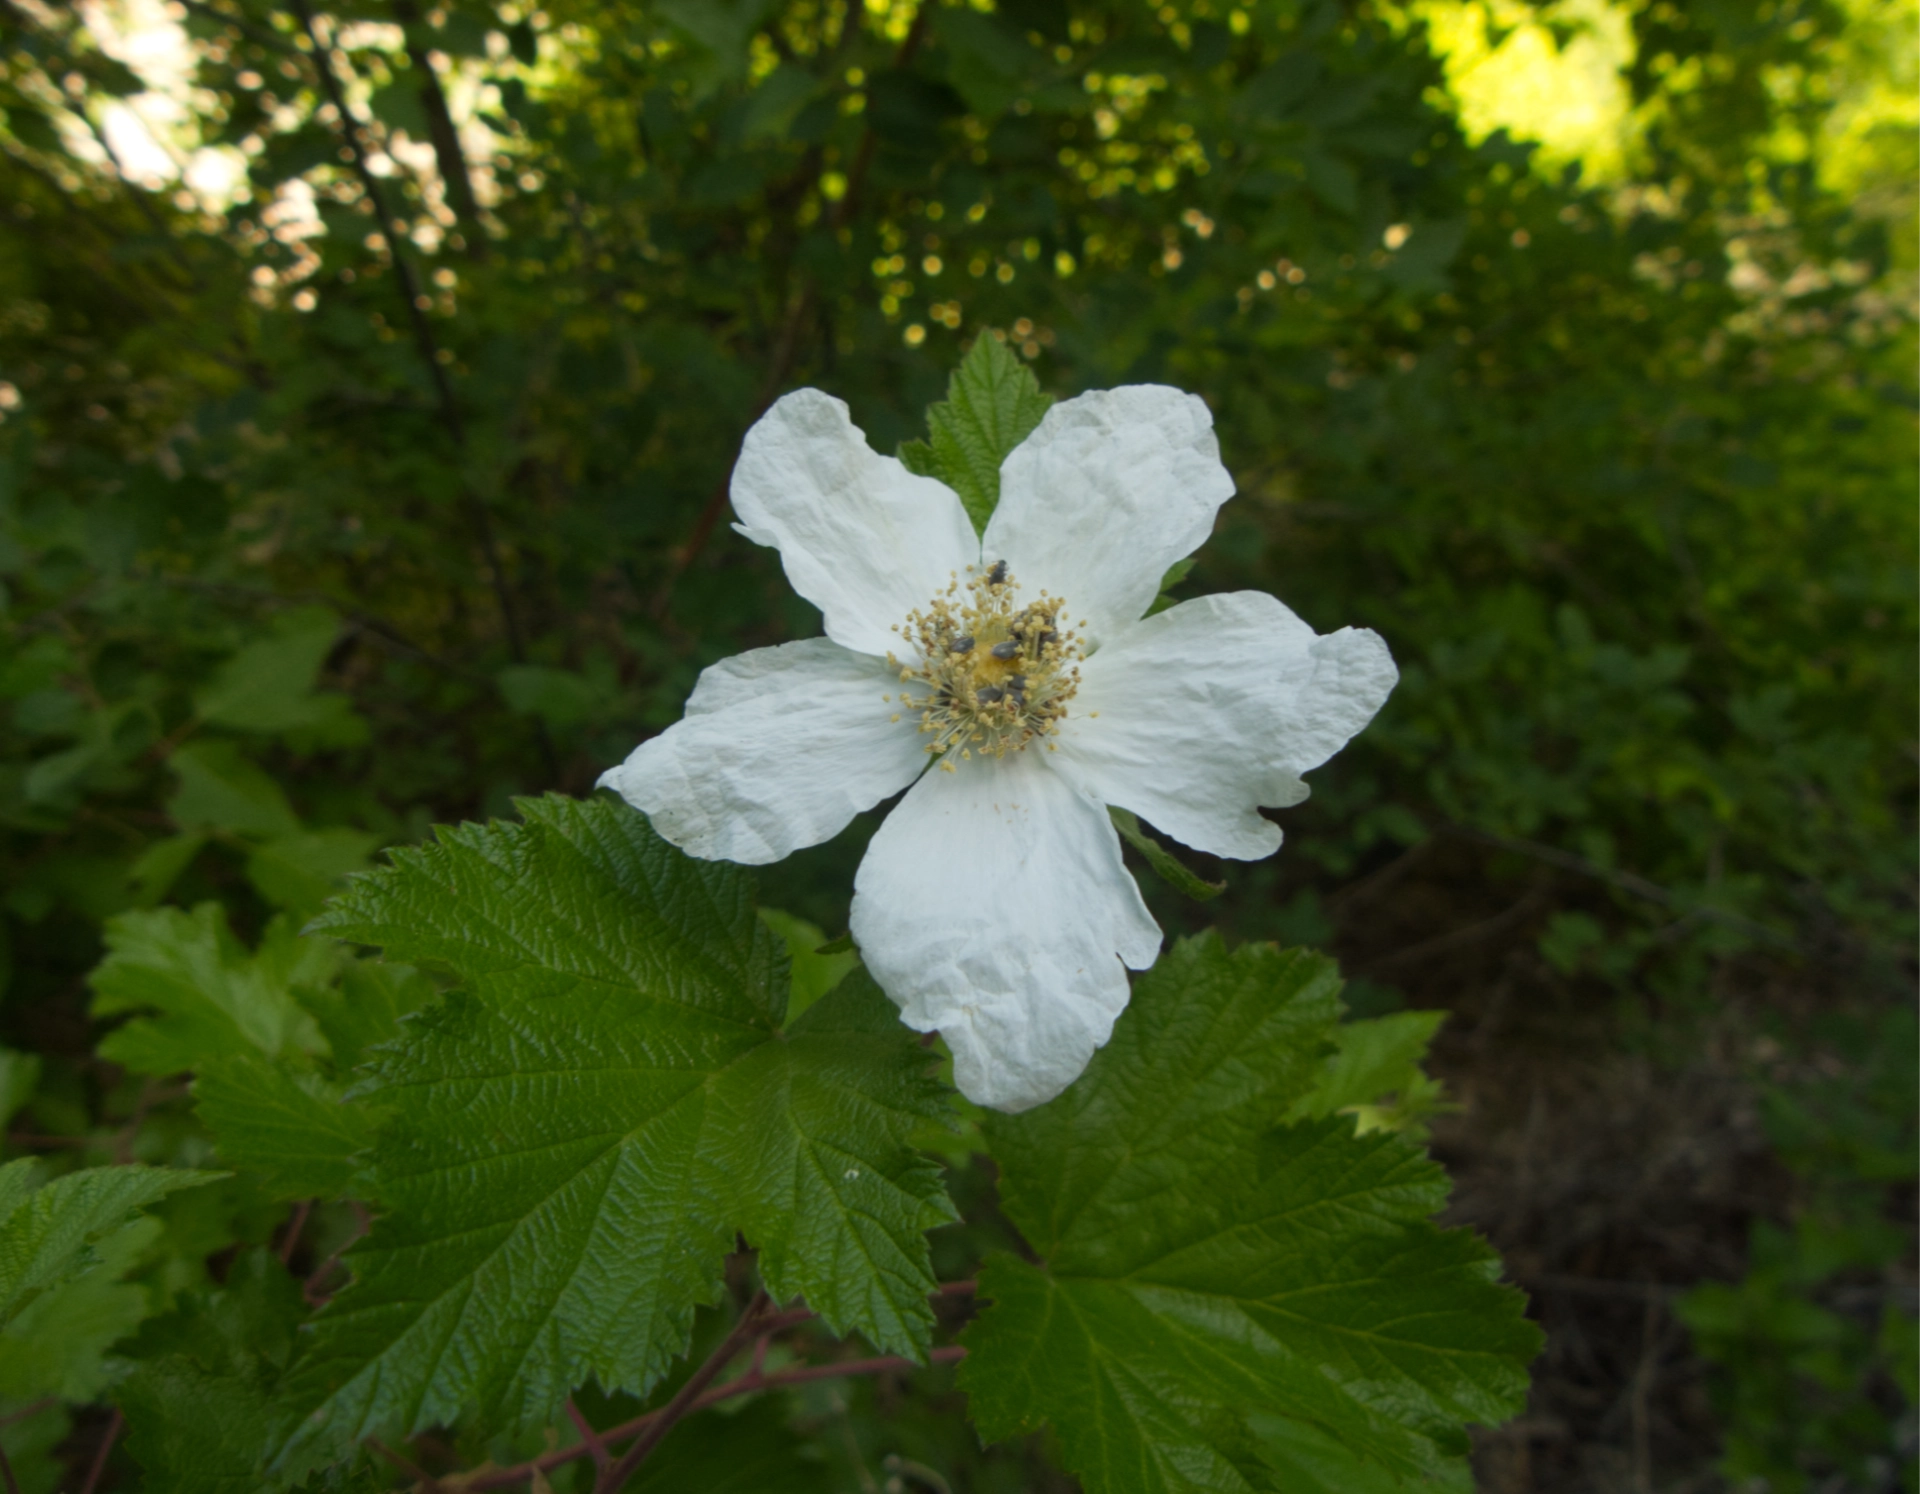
{"x": 993, "y": 404}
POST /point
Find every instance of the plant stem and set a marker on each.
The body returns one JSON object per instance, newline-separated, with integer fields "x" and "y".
{"x": 520, "y": 1473}
{"x": 100, "y": 1458}
{"x": 750, "y": 1324}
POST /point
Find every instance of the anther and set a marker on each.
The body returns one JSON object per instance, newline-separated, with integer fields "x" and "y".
{"x": 998, "y": 575}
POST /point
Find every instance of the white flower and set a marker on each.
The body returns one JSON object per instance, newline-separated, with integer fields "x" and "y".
{"x": 993, "y": 904}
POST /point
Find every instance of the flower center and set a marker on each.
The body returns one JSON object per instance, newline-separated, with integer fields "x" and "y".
{"x": 991, "y": 675}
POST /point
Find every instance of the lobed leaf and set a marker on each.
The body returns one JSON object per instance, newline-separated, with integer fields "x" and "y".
{"x": 1206, "y": 1266}
{"x": 579, "y": 1132}
{"x": 993, "y": 404}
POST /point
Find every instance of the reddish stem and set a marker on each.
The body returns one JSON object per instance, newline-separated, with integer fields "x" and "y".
{"x": 100, "y": 1458}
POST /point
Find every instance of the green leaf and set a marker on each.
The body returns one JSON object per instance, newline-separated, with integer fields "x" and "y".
{"x": 1168, "y": 867}
{"x": 31, "y": 1438}
{"x": 1176, "y": 573}
{"x": 221, "y": 790}
{"x": 267, "y": 687}
{"x": 207, "y": 995}
{"x": 296, "y": 1130}
{"x": 303, "y": 870}
{"x": 160, "y": 865}
{"x": 198, "y": 1403}
{"x": 579, "y": 1131}
{"x": 48, "y": 1235}
{"x": 816, "y": 968}
{"x": 19, "y": 1074}
{"x": 1374, "y": 1060}
{"x": 1205, "y": 1265}
{"x": 57, "y": 1344}
{"x": 365, "y": 1007}
{"x": 993, "y": 404}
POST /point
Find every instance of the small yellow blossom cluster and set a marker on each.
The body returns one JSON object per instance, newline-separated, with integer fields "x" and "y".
{"x": 996, "y": 675}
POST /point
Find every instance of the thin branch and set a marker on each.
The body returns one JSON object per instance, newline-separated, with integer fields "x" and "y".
{"x": 310, "y": 1288}
{"x": 798, "y": 309}
{"x": 596, "y": 1445}
{"x": 412, "y": 1470}
{"x": 100, "y": 1458}
{"x": 355, "y": 134}
{"x": 446, "y": 139}
{"x": 6, "y": 1472}
{"x": 505, "y": 1478}
{"x": 751, "y": 1321}
{"x": 1626, "y": 881}
{"x": 32, "y": 1408}
{"x": 292, "y": 1242}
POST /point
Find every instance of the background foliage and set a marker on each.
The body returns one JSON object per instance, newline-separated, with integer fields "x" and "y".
{"x": 385, "y": 481}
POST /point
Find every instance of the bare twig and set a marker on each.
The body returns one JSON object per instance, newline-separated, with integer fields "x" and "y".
{"x": 356, "y": 134}
{"x": 446, "y": 139}
{"x": 32, "y": 1408}
{"x": 295, "y": 1226}
{"x": 613, "y": 1479}
{"x": 414, "y": 1471}
{"x": 505, "y": 1478}
{"x": 1626, "y": 881}
{"x": 596, "y": 1445}
{"x": 100, "y": 1458}
{"x": 6, "y": 1472}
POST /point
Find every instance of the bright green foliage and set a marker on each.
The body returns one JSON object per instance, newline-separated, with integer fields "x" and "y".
{"x": 1374, "y": 1075}
{"x": 580, "y": 1130}
{"x": 1204, "y": 1262}
{"x": 198, "y": 1404}
{"x": 993, "y": 403}
{"x": 1167, "y": 866}
{"x": 816, "y": 970}
{"x": 294, "y": 1130}
{"x": 49, "y": 1235}
{"x": 208, "y": 995}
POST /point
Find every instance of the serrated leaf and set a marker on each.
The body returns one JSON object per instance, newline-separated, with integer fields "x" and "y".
{"x": 364, "y": 1007}
{"x": 198, "y": 1403}
{"x": 1167, "y": 866}
{"x": 1373, "y": 1060}
{"x": 206, "y": 994}
{"x": 57, "y": 1344}
{"x": 580, "y": 1130}
{"x": 296, "y": 1131}
{"x": 993, "y": 404}
{"x": 48, "y": 1235}
{"x": 1205, "y": 1265}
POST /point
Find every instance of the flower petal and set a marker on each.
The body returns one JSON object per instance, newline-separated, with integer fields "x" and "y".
{"x": 860, "y": 537}
{"x": 780, "y": 747}
{"x": 1113, "y": 488}
{"x": 994, "y": 906}
{"x": 1195, "y": 717}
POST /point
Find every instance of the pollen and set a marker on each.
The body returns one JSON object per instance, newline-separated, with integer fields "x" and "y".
{"x": 992, "y": 674}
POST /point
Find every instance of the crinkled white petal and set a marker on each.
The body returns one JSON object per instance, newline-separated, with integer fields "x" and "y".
{"x": 1110, "y": 490}
{"x": 993, "y": 905}
{"x": 1195, "y": 717}
{"x": 860, "y": 537}
{"x": 780, "y": 747}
